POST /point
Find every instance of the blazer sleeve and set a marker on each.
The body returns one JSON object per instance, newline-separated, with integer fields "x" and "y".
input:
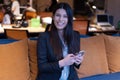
{"x": 77, "y": 36}
{"x": 44, "y": 63}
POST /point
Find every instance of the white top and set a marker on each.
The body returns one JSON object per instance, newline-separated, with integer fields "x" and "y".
{"x": 30, "y": 9}
{"x": 6, "y": 19}
{"x": 65, "y": 71}
{"x": 16, "y": 7}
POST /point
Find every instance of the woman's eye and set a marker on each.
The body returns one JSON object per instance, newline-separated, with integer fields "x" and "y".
{"x": 57, "y": 15}
{"x": 65, "y": 16}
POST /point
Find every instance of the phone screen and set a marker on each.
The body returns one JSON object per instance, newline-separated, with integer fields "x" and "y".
{"x": 80, "y": 53}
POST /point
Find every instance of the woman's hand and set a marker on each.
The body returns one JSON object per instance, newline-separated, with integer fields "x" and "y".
{"x": 78, "y": 59}
{"x": 68, "y": 60}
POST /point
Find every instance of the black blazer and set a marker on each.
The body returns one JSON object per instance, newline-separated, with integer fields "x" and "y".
{"x": 48, "y": 66}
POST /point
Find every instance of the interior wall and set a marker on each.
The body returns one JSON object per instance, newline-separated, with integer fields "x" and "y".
{"x": 113, "y": 9}
{"x": 22, "y": 2}
{"x": 100, "y": 4}
{"x": 6, "y": 1}
{"x": 42, "y": 4}
{"x": 39, "y": 5}
{"x": 70, "y": 2}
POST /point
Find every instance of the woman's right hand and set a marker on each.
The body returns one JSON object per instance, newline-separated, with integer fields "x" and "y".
{"x": 68, "y": 60}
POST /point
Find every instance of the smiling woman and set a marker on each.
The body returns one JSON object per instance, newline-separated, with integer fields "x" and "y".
{"x": 60, "y": 19}
{"x": 57, "y": 46}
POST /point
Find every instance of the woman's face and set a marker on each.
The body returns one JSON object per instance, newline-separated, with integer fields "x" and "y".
{"x": 60, "y": 19}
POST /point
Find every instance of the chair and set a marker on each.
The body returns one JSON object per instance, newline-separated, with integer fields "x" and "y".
{"x": 16, "y": 34}
{"x": 29, "y": 15}
{"x": 45, "y": 14}
{"x": 46, "y": 17}
{"x": 1, "y": 16}
{"x": 81, "y": 26}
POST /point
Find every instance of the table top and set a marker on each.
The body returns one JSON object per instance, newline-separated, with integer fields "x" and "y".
{"x": 97, "y": 28}
{"x": 30, "y": 29}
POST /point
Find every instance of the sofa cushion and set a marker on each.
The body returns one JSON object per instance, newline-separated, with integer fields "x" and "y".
{"x": 14, "y": 61}
{"x": 33, "y": 58}
{"x": 113, "y": 52}
{"x": 95, "y": 61}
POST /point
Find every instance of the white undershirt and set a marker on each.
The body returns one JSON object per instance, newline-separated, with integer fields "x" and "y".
{"x": 16, "y": 7}
{"x": 6, "y": 19}
{"x": 65, "y": 71}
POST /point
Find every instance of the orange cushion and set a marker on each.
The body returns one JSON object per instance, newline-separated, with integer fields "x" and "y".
{"x": 95, "y": 61}
{"x": 33, "y": 58}
{"x": 30, "y": 15}
{"x": 113, "y": 52}
{"x": 1, "y": 16}
{"x": 81, "y": 26}
{"x": 14, "y": 63}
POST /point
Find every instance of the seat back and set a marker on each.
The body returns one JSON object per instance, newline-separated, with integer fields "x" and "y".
{"x": 29, "y": 15}
{"x": 81, "y": 26}
{"x": 16, "y": 34}
{"x": 1, "y": 16}
{"x": 45, "y": 14}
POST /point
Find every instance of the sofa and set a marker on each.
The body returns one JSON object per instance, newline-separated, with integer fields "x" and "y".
{"x": 18, "y": 60}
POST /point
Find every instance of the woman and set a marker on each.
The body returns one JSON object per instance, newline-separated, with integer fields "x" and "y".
{"x": 57, "y": 47}
{"x": 15, "y": 8}
{"x": 7, "y": 15}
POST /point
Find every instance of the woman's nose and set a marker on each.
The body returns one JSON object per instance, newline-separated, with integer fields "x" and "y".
{"x": 61, "y": 18}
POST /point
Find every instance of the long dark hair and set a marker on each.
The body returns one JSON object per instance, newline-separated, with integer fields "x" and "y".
{"x": 69, "y": 36}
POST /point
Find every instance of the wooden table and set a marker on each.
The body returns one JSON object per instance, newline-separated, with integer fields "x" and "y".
{"x": 30, "y": 29}
{"x": 94, "y": 29}
{"x": 33, "y": 31}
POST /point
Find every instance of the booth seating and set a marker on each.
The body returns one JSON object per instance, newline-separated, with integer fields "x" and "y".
{"x": 29, "y": 15}
{"x": 101, "y": 58}
{"x": 16, "y": 34}
{"x": 81, "y": 26}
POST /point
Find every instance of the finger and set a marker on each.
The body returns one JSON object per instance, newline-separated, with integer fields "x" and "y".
{"x": 71, "y": 55}
{"x": 79, "y": 60}
{"x": 77, "y": 63}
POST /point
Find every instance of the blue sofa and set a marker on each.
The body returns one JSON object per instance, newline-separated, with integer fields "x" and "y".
{"x": 108, "y": 76}
{"x": 111, "y": 76}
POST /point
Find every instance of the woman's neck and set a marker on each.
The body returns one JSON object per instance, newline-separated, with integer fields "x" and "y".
{"x": 60, "y": 32}
{"x": 61, "y": 35}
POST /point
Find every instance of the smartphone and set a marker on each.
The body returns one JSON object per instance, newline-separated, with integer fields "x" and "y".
{"x": 81, "y": 53}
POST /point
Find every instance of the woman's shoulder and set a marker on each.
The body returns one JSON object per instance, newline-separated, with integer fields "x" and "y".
{"x": 44, "y": 35}
{"x": 76, "y": 33}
